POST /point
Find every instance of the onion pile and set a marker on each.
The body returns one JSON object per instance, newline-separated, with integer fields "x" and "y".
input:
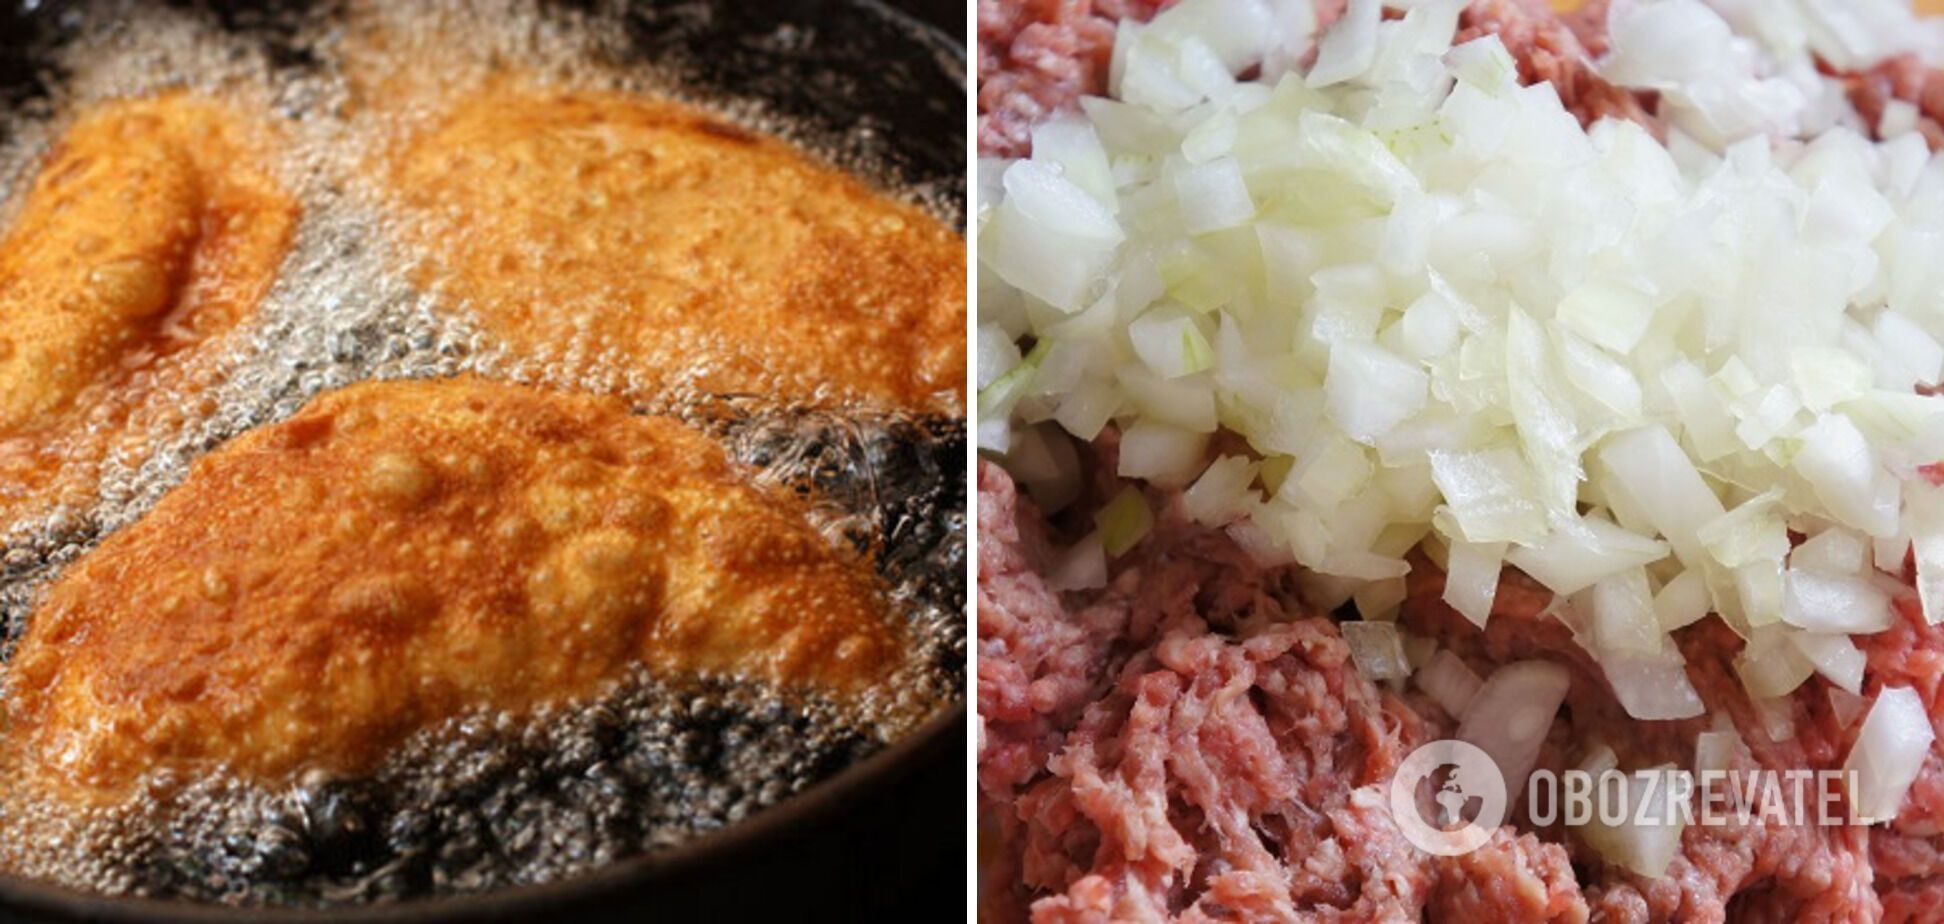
{"x": 1443, "y": 314}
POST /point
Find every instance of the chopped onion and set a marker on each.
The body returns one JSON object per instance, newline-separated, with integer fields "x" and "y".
{"x": 1599, "y": 758}
{"x": 1652, "y": 687}
{"x": 1926, "y": 515}
{"x": 1574, "y": 558}
{"x": 1083, "y": 566}
{"x": 1430, "y": 302}
{"x": 1472, "y": 578}
{"x": 1509, "y": 717}
{"x": 1647, "y": 467}
{"x": 1822, "y": 602}
{"x": 1846, "y": 706}
{"x": 1833, "y": 551}
{"x": 1777, "y": 716}
{"x": 1714, "y": 751}
{"x": 1682, "y": 601}
{"x": 1489, "y": 493}
{"x": 1349, "y": 47}
{"x": 1171, "y": 343}
{"x": 1163, "y": 454}
{"x": 1223, "y": 492}
{"x": 1834, "y": 656}
{"x": 1889, "y": 751}
{"x": 1370, "y": 390}
{"x": 1449, "y": 683}
{"x": 1380, "y": 599}
{"x": 1049, "y": 237}
{"x": 1771, "y": 665}
{"x": 1124, "y": 522}
{"x": 1377, "y": 649}
{"x": 1648, "y": 837}
{"x": 1418, "y": 649}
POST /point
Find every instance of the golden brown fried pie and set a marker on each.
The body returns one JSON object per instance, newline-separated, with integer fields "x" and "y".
{"x": 397, "y": 553}
{"x": 671, "y": 242}
{"x": 150, "y": 230}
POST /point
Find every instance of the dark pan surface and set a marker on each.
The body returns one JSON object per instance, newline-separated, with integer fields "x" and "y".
{"x": 884, "y": 838}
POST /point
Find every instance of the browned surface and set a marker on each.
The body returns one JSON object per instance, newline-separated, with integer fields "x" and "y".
{"x": 149, "y": 231}
{"x": 660, "y": 238}
{"x": 397, "y": 553}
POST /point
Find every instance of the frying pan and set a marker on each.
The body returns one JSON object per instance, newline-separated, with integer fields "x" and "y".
{"x": 879, "y": 85}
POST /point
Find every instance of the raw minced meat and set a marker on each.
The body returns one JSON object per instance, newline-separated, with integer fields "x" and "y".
{"x": 1194, "y": 744}
{"x": 1191, "y": 742}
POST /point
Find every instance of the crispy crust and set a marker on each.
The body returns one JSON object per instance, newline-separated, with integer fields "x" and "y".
{"x": 150, "y": 231}
{"x": 397, "y": 553}
{"x": 685, "y": 247}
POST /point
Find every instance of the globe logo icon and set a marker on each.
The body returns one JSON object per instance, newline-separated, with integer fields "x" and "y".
{"x": 1467, "y": 804}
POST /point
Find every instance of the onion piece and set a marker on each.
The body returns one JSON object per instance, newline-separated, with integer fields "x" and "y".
{"x": 1449, "y": 682}
{"x": 1349, "y": 47}
{"x": 1771, "y": 666}
{"x": 1577, "y": 555}
{"x": 1822, "y": 602}
{"x": 1846, "y": 707}
{"x": 1419, "y": 649}
{"x": 1648, "y": 467}
{"x": 1682, "y": 601}
{"x": 1511, "y": 714}
{"x": 1834, "y": 550}
{"x": 1083, "y": 566}
{"x": 1649, "y": 835}
{"x": 1714, "y": 751}
{"x": 1889, "y": 751}
{"x": 1163, "y": 454}
{"x": 1377, "y": 649}
{"x": 1370, "y": 390}
{"x": 1049, "y": 238}
{"x": 1624, "y": 623}
{"x": 1223, "y": 493}
{"x": 1472, "y": 578}
{"x": 1834, "y": 656}
{"x": 1489, "y": 493}
{"x": 1925, "y": 513}
{"x": 1653, "y": 687}
{"x": 1124, "y": 521}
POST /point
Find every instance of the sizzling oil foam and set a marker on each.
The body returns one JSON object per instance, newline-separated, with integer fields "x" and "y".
{"x": 485, "y": 800}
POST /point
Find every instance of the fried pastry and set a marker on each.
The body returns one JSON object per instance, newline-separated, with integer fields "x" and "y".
{"x": 150, "y": 231}
{"x": 398, "y": 553}
{"x": 650, "y": 234}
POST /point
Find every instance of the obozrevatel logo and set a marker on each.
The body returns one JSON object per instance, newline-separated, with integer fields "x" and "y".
{"x": 1448, "y": 797}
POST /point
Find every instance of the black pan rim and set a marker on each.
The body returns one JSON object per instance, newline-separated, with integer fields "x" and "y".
{"x": 943, "y": 732}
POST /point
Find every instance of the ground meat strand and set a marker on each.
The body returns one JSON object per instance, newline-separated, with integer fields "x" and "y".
{"x": 1228, "y": 777}
{"x": 1038, "y": 57}
{"x": 1038, "y": 663}
{"x": 1749, "y": 869}
{"x": 1513, "y": 877}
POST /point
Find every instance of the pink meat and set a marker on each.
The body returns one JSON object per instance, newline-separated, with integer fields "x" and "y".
{"x": 1550, "y": 48}
{"x": 1905, "y": 78}
{"x": 1039, "y": 663}
{"x": 1185, "y": 744}
{"x": 1224, "y": 777}
{"x": 1753, "y": 870}
{"x": 1513, "y": 877}
{"x": 1038, "y": 57}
